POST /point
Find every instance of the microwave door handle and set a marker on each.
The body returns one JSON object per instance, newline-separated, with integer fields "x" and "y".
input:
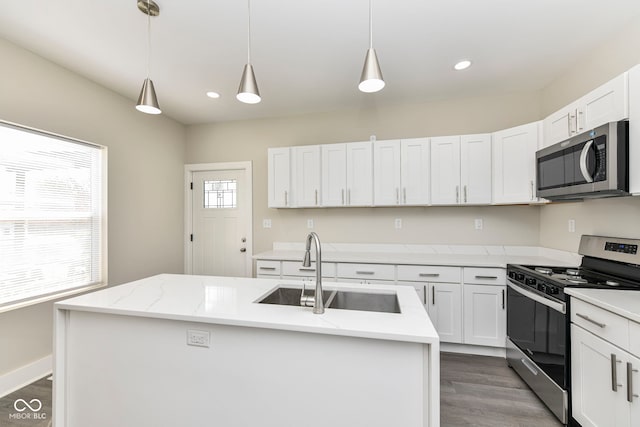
{"x": 584, "y": 155}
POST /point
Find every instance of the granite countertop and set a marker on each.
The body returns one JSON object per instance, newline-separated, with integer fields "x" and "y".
{"x": 232, "y": 301}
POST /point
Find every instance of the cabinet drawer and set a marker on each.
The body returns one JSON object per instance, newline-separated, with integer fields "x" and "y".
{"x": 270, "y": 268}
{"x": 429, "y": 273}
{"x": 366, "y": 271}
{"x": 295, "y": 268}
{"x": 483, "y": 275}
{"x": 634, "y": 338}
{"x": 603, "y": 323}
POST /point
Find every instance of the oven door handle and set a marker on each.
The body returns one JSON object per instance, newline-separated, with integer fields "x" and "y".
{"x": 557, "y": 306}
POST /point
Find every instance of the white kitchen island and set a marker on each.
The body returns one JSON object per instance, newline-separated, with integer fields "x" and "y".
{"x": 121, "y": 357}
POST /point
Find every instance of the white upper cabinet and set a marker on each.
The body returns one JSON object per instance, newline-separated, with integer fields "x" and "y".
{"x": 306, "y": 176}
{"x": 475, "y": 169}
{"x": 401, "y": 172}
{"x": 334, "y": 174}
{"x": 607, "y": 103}
{"x": 461, "y": 170}
{"x": 514, "y": 175}
{"x": 347, "y": 174}
{"x": 359, "y": 174}
{"x": 279, "y": 177}
{"x": 387, "y": 172}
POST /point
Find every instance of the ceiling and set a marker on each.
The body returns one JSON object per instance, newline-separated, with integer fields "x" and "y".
{"x": 307, "y": 55}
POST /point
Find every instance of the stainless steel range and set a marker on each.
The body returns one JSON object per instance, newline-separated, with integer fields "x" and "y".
{"x": 537, "y": 321}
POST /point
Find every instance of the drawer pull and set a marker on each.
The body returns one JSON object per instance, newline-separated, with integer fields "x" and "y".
{"x": 487, "y": 277}
{"x": 588, "y": 319}
{"x": 365, "y": 272}
{"x": 429, "y": 274}
{"x": 267, "y": 268}
{"x": 614, "y": 372}
{"x": 306, "y": 269}
{"x": 630, "y": 372}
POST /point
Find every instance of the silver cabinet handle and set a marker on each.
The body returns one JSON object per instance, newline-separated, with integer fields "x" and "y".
{"x": 316, "y": 197}
{"x": 433, "y": 295}
{"x": 404, "y": 195}
{"x": 614, "y": 372}
{"x": 365, "y": 272}
{"x": 428, "y": 274}
{"x": 397, "y": 196}
{"x": 572, "y": 118}
{"x": 590, "y": 320}
{"x": 630, "y": 372}
{"x": 306, "y": 269}
{"x": 425, "y": 290}
{"x": 267, "y": 268}
{"x": 487, "y": 277}
{"x": 286, "y": 198}
{"x": 503, "y": 299}
{"x": 457, "y": 194}
{"x": 465, "y": 194}
{"x": 342, "y": 191}
{"x": 532, "y": 192}
{"x": 578, "y": 120}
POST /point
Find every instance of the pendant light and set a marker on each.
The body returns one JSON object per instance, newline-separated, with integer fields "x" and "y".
{"x": 248, "y": 91}
{"x": 371, "y": 79}
{"x": 148, "y": 101}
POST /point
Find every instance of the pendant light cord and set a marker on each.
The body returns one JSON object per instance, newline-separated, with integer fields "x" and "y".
{"x": 370, "y": 26}
{"x": 148, "y": 39}
{"x": 248, "y": 31}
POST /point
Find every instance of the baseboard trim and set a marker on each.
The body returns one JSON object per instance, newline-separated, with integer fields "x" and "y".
{"x": 473, "y": 349}
{"x": 25, "y": 375}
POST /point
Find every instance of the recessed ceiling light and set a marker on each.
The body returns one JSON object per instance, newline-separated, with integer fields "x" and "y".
{"x": 462, "y": 65}
{"x": 214, "y": 95}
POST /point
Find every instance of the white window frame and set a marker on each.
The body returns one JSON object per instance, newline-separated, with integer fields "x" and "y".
{"x": 104, "y": 222}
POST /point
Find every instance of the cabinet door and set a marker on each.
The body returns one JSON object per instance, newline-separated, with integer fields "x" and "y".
{"x": 415, "y": 171}
{"x": 633, "y": 391}
{"x": 445, "y": 310}
{"x": 445, "y": 170}
{"x": 359, "y": 174}
{"x": 420, "y": 290}
{"x": 594, "y": 402}
{"x": 279, "y": 177}
{"x": 306, "y": 176}
{"x": 514, "y": 159}
{"x": 334, "y": 174}
{"x": 475, "y": 169}
{"x": 607, "y": 103}
{"x": 386, "y": 173}
{"x": 485, "y": 320}
{"x": 560, "y": 125}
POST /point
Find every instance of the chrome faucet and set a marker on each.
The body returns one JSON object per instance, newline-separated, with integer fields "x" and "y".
{"x": 307, "y": 300}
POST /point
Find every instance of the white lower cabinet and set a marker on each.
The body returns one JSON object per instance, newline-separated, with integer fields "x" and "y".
{"x": 445, "y": 310}
{"x": 605, "y": 382}
{"x": 485, "y": 315}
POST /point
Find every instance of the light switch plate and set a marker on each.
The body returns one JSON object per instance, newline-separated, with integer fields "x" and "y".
{"x": 266, "y": 223}
{"x": 571, "y": 225}
{"x": 479, "y": 224}
{"x": 198, "y": 338}
{"x": 398, "y": 223}
{"x": 309, "y": 224}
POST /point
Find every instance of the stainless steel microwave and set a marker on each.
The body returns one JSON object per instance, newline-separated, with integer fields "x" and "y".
{"x": 592, "y": 164}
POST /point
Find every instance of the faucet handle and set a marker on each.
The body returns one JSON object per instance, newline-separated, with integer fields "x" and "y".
{"x": 306, "y": 300}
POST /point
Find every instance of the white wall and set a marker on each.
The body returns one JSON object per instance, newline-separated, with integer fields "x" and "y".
{"x": 612, "y": 217}
{"x": 146, "y": 157}
{"x": 249, "y": 140}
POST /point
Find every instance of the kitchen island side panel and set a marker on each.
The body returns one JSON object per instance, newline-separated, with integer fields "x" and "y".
{"x": 139, "y": 371}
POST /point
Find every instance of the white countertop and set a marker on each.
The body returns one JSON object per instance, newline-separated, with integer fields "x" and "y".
{"x": 624, "y": 303}
{"x": 231, "y": 301}
{"x": 467, "y": 257}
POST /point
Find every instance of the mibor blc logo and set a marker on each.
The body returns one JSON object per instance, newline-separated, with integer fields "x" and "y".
{"x": 28, "y": 410}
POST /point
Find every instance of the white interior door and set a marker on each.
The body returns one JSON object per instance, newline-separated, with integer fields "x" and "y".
{"x": 221, "y": 223}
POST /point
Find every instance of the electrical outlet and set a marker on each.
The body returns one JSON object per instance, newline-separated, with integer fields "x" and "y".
{"x": 266, "y": 223}
{"x": 309, "y": 224}
{"x": 478, "y": 223}
{"x": 571, "y": 225}
{"x": 198, "y": 338}
{"x": 398, "y": 223}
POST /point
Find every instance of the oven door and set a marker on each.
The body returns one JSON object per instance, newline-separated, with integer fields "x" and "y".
{"x": 537, "y": 326}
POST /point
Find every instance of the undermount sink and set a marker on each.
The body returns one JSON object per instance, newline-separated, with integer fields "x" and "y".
{"x": 341, "y": 300}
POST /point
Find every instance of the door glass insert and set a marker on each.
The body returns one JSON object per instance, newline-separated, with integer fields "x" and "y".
{"x": 220, "y": 194}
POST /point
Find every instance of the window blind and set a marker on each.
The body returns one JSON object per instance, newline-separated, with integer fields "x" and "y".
{"x": 51, "y": 215}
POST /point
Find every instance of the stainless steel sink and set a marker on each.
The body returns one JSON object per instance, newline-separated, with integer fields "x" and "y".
{"x": 341, "y": 300}
{"x": 364, "y": 301}
{"x": 289, "y": 296}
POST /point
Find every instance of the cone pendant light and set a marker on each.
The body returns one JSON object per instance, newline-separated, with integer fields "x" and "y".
{"x": 148, "y": 101}
{"x": 371, "y": 79}
{"x": 248, "y": 91}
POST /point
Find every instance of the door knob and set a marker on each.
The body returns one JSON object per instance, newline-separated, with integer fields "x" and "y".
{"x": 243, "y": 249}
{"x": 244, "y": 239}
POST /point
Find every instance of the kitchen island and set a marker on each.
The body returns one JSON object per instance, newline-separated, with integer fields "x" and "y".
{"x": 197, "y": 350}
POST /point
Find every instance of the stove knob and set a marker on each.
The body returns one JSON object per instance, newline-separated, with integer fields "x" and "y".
{"x": 519, "y": 277}
{"x": 512, "y": 274}
{"x": 555, "y": 290}
{"x": 542, "y": 287}
{"x": 530, "y": 282}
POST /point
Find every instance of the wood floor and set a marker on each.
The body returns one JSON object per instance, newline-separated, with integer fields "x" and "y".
{"x": 476, "y": 391}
